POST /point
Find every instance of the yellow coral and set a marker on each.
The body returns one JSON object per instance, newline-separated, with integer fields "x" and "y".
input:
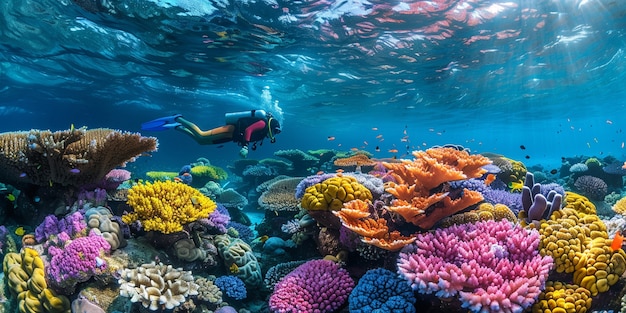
{"x": 159, "y": 175}
{"x": 562, "y": 298}
{"x": 209, "y": 171}
{"x": 620, "y": 206}
{"x": 332, "y": 193}
{"x": 166, "y": 206}
{"x": 485, "y": 211}
{"x": 578, "y": 242}
{"x": 27, "y": 280}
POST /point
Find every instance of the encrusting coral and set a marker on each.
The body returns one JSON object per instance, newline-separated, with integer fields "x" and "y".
{"x": 280, "y": 195}
{"x": 157, "y": 286}
{"x": 26, "y": 280}
{"x": 166, "y": 206}
{"x": 73, "y": 157}
{"x": 414, "y": 181}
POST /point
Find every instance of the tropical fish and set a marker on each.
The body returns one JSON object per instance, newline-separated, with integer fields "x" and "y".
{"x": 331, "y": 138}
{"x": 263, "y": 238}
{"x": 234, "y": 268}
{"x": 20, "y": 231}
{"x": 74, "y": 171}
{"x": 11, "y": 197}
{"x": 516, "y": 186}
{"x": 374, "y": 128}
{"x": 489, "y": 179}
{"x": 618, "y": 240}
{"x": 393, "y": 151}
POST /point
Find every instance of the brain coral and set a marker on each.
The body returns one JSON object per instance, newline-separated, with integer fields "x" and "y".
{"x": 166, "y": 206}
{"x": 332, "y": 193}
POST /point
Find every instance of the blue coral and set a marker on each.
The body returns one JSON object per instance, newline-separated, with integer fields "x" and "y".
{"x": 232, "y": 286}
{"x": 381, "y": 290}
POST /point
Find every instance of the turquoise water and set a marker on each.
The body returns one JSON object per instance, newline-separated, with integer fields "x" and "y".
{"x": 536, "y": 81}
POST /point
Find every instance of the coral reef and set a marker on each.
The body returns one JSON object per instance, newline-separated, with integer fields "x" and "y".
{"x": 166, "y": 206}
{"x": 236, "y": 251}
{"x": 332, "y": 193}
{"x": 280, "y": 195}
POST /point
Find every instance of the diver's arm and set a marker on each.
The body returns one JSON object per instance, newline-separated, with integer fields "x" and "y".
{"x": 256, "y": 126}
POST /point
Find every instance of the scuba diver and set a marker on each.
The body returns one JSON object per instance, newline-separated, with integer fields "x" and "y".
{"x": 241, "y": 127}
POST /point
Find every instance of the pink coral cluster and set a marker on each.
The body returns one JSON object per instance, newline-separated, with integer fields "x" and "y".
{"x": 492, "y": 266}
{"x": 316, "y": 286}
{"x": 76, "y": 262}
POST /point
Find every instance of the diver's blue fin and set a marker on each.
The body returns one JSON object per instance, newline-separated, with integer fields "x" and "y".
{"x": 163, "y": 123}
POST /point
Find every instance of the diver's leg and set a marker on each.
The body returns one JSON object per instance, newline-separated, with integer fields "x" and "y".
{"x": 205, "y": 137}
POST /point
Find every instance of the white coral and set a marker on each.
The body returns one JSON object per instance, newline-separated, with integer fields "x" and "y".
{"x": 157, "y": 286}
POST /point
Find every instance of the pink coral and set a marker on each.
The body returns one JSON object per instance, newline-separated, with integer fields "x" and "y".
{"x": 492, "y": 266}
{"x": 315, "y": 286}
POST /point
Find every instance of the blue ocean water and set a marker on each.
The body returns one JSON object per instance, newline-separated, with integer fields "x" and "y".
{"x": 489, "y": 75}
{"x": 535, "y": 81}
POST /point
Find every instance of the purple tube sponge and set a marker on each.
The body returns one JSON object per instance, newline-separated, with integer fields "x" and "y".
{"x": 315, "y": 286}
{"x": 77, "y": 262}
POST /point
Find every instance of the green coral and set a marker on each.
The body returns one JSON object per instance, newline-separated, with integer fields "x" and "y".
{"x": 209, "y": 172}
{"x": 161, "y": 175}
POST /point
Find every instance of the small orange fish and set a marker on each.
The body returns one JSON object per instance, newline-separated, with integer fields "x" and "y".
{"x": 393, "y": 151}
{"x": 624, "y": 166}
{"x": 339, "y": 171}
{"x": 319, "y": 173}
{"x": 617, "y": 241}
{"x": 489, "y": 179}
{"x": 331, "y": 138}
{"x": 354, "y": 149}
{"x": 374, "y": 128}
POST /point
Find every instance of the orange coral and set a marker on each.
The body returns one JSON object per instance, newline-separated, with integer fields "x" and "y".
{"x": 356, "y": 216}
{"x": 415, "y": 180}
{"x": 357, "y": 160}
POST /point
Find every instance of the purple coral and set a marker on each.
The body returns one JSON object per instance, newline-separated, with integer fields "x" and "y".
{"x": 217, "y": 220}
{"x": 592, "y": 187}
{"x": 77, "y": 262}
{"x": 315, "y": 286}
{"x": 73, "y": 225}
{"x": 310, "y": 181}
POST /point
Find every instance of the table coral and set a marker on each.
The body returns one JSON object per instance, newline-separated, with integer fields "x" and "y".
{"x": 73, "y": 157}
{"x": 491, "y": 266}
{"x": 315, "y": 286}
{"x": 578, "y": 241}
{"x": 332, "y": 193}
{"x": 157, "y": 286}
{"x": 280, "y": 195}
{"x": 166, "y": 206}
{"x": 414, "y": 180}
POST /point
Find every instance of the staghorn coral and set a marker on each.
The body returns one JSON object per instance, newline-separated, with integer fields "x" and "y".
{"x": 332, "y": 193}
{"x": 578, "y": 242}
{"x": 238, "y": 252}
{"x": 414, "y": 180}
{"x": 73, "y": 157}
{"x": 157, "y": 286}
{"x": 280, "y": 195}
{"x": 560, "y": 298}
{"x": 26, "y": 280}
{"x": 166, "y": 206}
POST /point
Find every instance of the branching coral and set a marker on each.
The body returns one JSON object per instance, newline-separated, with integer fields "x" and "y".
{"x": 166, "y": 206}
{"x": 415, "y": 179}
